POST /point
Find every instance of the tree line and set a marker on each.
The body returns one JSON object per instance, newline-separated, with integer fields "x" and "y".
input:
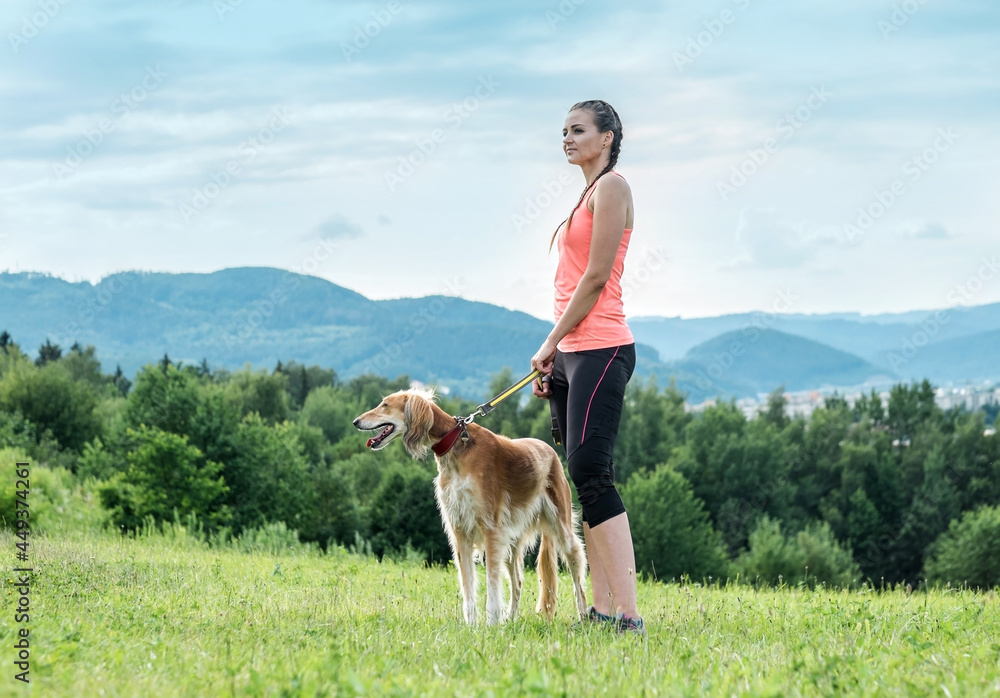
{"x": 896, "y": 493}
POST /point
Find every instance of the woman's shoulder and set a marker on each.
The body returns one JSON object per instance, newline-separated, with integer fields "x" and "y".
{"x": 618, "y": 183}
{"x": 610, "y": 188}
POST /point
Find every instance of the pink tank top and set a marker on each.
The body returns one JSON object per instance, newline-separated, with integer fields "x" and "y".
{"x": 604, "y": 326}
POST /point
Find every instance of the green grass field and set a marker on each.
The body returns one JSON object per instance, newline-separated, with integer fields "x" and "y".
{"x": 166, "y": 615}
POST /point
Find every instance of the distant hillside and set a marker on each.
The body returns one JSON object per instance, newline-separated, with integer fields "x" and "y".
{"x": 959, "y": 335}
{"x": 262, "y": 315}
{"x": 745, "y": 363}
{"x": 973, "y": 357}
{"x": 673, "y": 337}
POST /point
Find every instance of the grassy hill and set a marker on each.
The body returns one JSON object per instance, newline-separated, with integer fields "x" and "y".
{"x": 167, "y": 615}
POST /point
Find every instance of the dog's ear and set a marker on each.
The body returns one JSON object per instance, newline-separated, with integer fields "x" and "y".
{"x": 419, "y": 418}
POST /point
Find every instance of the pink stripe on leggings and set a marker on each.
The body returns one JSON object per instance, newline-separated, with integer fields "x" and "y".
{"x": 587, "y": 415}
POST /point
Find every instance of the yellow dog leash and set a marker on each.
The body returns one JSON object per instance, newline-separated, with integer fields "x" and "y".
{"x": 485, "y": 408}
{"x": 448, "y": 440}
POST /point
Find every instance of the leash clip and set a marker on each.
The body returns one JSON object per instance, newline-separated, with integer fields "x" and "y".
{"x": 464, "y": 421}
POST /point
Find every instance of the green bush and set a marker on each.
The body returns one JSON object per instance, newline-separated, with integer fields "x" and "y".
{"x": 163, "y": 397}
{"x": 167, "y": 477}
{"x": 18, "y": 433}
{"x": 337, "y": 516}
{"x": 671, "y": 530}
{"x": 268, "y": 476}
{"x": 259, "y": 392}
{"x": 270, "y": 538}
{"x": 403, "y": 511}
{"x": 812, "y": 556}
{"x": 326, "y": 409}
{"x": 968, "y": 553}
{"x": 96, "y": 461}
{"x": 50, "y": 399}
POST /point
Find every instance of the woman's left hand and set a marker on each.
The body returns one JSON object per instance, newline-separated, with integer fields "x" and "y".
{"x": 542, "y": 362}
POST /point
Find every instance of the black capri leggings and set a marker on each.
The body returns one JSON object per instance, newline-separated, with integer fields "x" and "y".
{"x": 587, "y": 394}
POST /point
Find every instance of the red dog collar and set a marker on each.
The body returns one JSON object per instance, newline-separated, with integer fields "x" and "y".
{"x": 448, "y": 440}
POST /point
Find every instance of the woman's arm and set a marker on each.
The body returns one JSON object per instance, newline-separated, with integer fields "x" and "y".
{"x": 611, "y": 198}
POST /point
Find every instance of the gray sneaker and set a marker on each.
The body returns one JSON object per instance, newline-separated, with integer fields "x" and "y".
{"x": 593, "y": 617}
{"x": 626, "y": 625}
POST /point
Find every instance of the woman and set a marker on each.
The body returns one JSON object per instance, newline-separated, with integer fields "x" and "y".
{"x": 590, "y": 354}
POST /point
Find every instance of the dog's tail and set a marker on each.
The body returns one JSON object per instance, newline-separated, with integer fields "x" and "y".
{"x": 548, "y": 575}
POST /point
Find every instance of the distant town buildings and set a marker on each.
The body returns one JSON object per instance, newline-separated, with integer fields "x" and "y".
{"x": 803, "y": 402}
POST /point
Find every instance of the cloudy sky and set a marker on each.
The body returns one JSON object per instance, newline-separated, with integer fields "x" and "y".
{"x": 844, "y": 154}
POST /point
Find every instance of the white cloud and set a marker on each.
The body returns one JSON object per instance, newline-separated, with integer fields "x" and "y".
{"x": 338, "y": 228}
{"x": 924, "y": 230}
{"x": 770, "y": 239}
{"x": 353, "y": 121}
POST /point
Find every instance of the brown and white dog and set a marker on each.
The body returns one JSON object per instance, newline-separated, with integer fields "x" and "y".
{"x": 496, "y": 495}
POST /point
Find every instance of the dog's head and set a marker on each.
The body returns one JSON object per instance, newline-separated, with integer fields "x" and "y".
{"x": 406, "y": 413}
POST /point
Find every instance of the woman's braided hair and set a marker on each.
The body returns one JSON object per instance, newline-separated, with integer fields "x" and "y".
{"x": 606, "y": 119}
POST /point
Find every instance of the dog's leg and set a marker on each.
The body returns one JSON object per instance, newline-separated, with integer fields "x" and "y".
{"x": 495, "y": 562}
{"x": 467, "y": 579}
{"x": 515, "y": 571}
{"x": 575, "y": 557}
{"x": 548, "y": 579}
{"x": 577, "y": 563}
